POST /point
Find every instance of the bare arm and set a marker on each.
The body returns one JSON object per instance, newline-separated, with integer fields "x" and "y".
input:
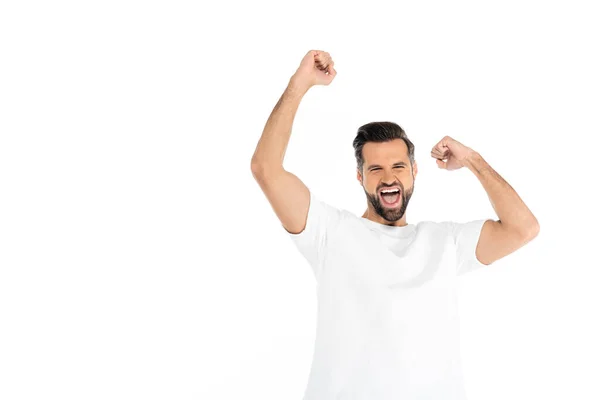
{"x": 288, "y": 195}
{"x": 510, "y": 208}
{"x": 516, "y": 225}
{"x": 273, "y": 143}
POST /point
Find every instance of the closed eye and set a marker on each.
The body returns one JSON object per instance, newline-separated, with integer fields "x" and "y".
{"x": 377, "y": 168}
{"x": 397, "y": 166}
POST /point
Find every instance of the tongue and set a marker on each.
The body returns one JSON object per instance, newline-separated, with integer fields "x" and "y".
{"x": 390, "y": 198}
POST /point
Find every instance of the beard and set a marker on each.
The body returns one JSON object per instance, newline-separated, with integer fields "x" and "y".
{"x": 387, "y": 213}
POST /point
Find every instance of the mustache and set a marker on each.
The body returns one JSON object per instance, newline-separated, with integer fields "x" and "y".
{"x": 399, "y": 185}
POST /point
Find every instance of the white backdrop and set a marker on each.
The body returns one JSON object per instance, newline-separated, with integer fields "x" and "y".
{"x": 139, "y": 259}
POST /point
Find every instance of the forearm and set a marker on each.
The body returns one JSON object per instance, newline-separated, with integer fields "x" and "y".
{"x": 511, "y": 210}
{"x": 272, "y": 145}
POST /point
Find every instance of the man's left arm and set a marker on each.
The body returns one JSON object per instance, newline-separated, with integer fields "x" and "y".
{"x": 516, "y": 225}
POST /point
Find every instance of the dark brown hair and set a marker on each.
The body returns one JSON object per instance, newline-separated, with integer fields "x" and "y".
{"x": 380, "y": 132}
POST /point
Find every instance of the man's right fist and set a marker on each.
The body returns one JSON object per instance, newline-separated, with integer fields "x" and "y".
{"x": 316, "y": 68}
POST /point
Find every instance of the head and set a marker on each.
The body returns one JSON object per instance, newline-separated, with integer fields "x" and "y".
{"x": 385, "y": 159}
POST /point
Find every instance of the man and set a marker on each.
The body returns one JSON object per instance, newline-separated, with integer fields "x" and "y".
{"x": 388, "y": 323}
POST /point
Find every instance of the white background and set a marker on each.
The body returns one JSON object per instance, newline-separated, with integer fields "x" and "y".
{"x": 139, "y": 259}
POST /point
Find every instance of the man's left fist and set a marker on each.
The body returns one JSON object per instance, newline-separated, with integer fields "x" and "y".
{"x": 450, "y": 154}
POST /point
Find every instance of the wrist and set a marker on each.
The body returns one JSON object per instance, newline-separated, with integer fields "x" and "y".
{"x": 473, "y": 161}
{"x": 297, "y": 86}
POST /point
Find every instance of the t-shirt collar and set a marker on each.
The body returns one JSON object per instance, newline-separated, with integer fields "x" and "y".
{"x": 397, "y": 231}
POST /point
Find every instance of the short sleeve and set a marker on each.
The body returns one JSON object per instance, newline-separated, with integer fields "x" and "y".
{"x": 312, "y": 242}
{"x": 466, "y": 236}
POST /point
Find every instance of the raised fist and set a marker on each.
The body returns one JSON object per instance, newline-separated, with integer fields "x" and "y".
{"x": 450, "y": 154}
{"x": 316, "y": 68}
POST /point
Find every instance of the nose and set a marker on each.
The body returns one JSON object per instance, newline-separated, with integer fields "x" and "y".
{"x": 389, "y": 179}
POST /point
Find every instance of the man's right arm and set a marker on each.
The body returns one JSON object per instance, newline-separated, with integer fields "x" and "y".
{"x": 288, "y": 195}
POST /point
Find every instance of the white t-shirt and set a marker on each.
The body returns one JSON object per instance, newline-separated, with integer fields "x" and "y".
{"x": 387, "y": 324}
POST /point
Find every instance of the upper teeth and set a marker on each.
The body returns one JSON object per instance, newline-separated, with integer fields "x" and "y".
{"x": 390, "y": 190}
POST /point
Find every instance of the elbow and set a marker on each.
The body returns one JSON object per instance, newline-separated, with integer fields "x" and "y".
{"x": 261, "y": 170}
{"x": 525, "y": 231}
{"x": 532, "y": 230}
{"x": 258, "y": 173}
{"x": 255, "y": 167}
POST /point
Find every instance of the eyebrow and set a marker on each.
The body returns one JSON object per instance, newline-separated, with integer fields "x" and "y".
{"x": 377, "y": 165}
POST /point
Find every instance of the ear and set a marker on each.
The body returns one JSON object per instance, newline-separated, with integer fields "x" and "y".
{"x": 415, "y": 170}
{"x": 358, "y": 176}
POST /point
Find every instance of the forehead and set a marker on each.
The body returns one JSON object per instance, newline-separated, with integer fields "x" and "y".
{"x": 385, "y": 152}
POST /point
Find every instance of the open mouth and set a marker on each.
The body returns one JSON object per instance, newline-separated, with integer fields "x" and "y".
{"x": 390, "y": 197}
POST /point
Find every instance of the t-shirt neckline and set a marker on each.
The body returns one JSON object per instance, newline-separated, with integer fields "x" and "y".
{"x": 396, "y": 231}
